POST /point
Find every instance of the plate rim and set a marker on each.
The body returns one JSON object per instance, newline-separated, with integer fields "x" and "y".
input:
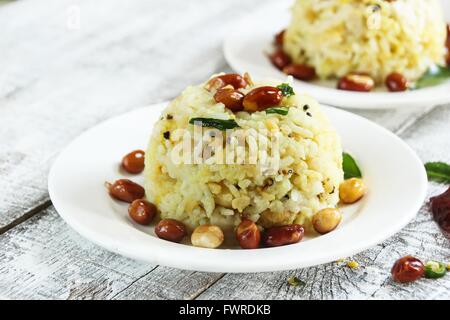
{"x": 124, "y": 249}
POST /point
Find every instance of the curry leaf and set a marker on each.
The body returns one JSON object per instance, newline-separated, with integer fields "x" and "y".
{"x": 214, "y": 123}
{"x": 278, "y": 110}
{"x": 434, "y": 76}
{"x": 295, "y": 282}
{"x": 286, "y": 89}
{"x": 351, "y": 169}
{"x": 438, "y": 171}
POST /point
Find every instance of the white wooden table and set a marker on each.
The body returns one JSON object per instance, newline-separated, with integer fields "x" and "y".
{"x": 60, "y": 75}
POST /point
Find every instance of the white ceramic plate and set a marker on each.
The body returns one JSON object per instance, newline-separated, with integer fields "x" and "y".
{"x": 395, "y": 176}
{"x": 245, "y": 49}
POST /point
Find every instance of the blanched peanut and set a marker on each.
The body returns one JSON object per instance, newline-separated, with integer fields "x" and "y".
{"x": 352, "y": 190}
{"x": 207, "y": 236}
{"x": 326, "y": 220}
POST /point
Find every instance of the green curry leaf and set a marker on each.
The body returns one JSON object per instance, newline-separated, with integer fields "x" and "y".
{"x": 351, "y": 169}
{"x": 215, "y": 123}
{"x": 438, "y": 171}
{"x": 278, "y": 110}
{"x": 434, "y": 76}
{"x": 286, "y": 89}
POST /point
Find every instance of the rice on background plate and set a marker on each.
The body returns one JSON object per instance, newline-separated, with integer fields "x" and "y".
{"x": 305, "y": 180}
{"x": 375, "y": 37}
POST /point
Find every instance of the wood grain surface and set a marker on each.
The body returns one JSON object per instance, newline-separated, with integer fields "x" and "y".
{"x": 61, "y": 75}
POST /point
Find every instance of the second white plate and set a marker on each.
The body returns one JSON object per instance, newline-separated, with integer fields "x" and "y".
{"x": 247, "y": 45}
{"x": 395, "y": 176}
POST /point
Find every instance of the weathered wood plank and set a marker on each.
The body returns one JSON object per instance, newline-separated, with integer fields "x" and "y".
{"x": 430, "y": 137}
{"x": 44, "y": 259}
{"x": 167, "y": 283}
{"x": 57, "y": 81}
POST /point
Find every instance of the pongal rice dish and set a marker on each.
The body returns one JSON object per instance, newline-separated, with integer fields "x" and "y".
{"x": 273, "y": 193}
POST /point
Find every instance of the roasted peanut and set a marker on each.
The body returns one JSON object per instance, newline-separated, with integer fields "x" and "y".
{"x": 232, "y": 99}
{"x": 280, "y": 59}
{"x": 125, "y": 190}
{"x": 352, "y": 190}
{"x": 396, "y": 82}
{"x": 356, "y": 82}
{"x": 248, "y": 235}
{"x": 279, "y": 38}
{"x": 326, "y": 220}
{"x": 207, "y": 236}
{"x": 300, "y": 71}
{"x": 232, "y": 79}
{"x": 407, "y": 269}
{"x": 262, "y": 98}
{"x": 170, "y": 230}
{"x": 142, "y": 211}
{"x": 134, "y": 162}
{"x": 281, "y": 236}
{"x": 440, "y": 207}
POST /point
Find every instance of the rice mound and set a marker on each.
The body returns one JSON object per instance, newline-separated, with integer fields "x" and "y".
{"x": 307, "y": 179}
{"x": 376, "y": 37}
